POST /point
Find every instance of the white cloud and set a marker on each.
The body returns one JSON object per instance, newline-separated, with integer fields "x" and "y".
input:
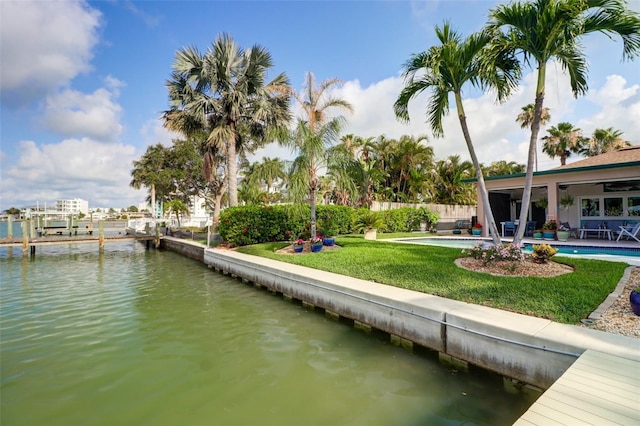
{"x": 44, "y": 45}
{"x": 154, "y": 132}
{"x": 73, "y": 168}
{"x": 494, "y": 131}
{"x": 95, "y": 115}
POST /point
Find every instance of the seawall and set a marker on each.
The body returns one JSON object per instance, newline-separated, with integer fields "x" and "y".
{"x": 530, "y": 350}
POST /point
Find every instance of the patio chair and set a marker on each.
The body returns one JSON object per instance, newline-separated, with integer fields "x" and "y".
{"x": 630, "y": 232}
{"x": 509, "y": 228}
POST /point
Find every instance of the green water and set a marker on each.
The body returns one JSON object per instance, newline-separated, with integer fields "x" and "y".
{"x": 137, "y": 337}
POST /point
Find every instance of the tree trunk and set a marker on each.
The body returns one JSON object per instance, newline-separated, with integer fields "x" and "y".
{"x": 232, "y": 168}
{"x": 482, "y": 188}
{"x": 528, "y": 181}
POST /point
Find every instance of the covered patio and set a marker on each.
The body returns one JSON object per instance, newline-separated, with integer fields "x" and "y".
{"x": 593, "y": 197}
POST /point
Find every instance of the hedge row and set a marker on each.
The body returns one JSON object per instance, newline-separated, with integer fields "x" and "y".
{"x": 246, "y": 225}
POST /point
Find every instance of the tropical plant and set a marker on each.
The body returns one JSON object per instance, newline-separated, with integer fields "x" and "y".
{"x": 150, "y": 171}
{"x": 525, "y": 118}
{"x": 542, "y": 203}
{"x": 542, "y": 253}
{"x": 567, "y": 201}
{"x": 445, "y": 69}
{"x": 223, "y": 91}
{"x": 542, "y": 30}
{"x": 604, "y": 140}
{"x": 562, "y": 141}
{"x": 550, "y": 225}
{"x": 503, "y": 168}
{"x": 314, "y": 133}
{"x": 368, "y": 220}
{"x": 177, "y": 207}
{"x": 448, "y": 182}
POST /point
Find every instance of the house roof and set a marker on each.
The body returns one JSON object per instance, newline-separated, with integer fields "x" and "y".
{"x": 625, "y": 157}
{"x": 620, "y": 157}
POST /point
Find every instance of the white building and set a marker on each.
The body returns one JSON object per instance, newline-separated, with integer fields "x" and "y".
{"x": 75, "y": 206}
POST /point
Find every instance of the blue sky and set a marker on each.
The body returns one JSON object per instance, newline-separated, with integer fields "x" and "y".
{"x": 82, "y": 83}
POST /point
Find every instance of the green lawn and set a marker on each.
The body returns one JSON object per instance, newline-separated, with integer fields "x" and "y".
{"x": 429, "y": 269}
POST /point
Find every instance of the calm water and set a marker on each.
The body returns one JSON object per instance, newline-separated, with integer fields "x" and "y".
{"x": 136, "y": 337}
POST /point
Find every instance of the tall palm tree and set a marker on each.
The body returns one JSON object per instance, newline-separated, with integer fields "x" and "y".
{"x": 604, "y": 140}
{"x": 315, "y": 132}
{"x": 224, "y": 90}
{"x": 445, "y": 69}
{"x": 542, "y": 30}
{"x": 525, "y": 118}
{"x": 563, "y": 140}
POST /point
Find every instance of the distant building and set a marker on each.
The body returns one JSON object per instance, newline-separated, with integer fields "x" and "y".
{"x": 74, "y": 206}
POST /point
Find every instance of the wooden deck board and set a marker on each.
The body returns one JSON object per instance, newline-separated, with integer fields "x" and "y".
{"x": 598, "y": 389}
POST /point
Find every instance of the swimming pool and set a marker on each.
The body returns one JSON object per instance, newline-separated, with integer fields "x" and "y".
{"x": 619, "y": 254}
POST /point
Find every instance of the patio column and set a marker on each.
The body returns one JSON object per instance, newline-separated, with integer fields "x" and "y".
{"x": 552, "y": 207}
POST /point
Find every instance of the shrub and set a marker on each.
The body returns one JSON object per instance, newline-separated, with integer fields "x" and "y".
{"x": 543, "y": 252}
{"x": 490, "y": 253}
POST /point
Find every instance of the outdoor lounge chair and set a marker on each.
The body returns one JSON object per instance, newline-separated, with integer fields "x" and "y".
{"x": 630, "y": 232}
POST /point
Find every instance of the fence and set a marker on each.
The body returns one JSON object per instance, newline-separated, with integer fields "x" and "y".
{"x": 449, "y": 214}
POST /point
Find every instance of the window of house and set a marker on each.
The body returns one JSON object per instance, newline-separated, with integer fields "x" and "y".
{"x": 613, "y": 206}
{"x": 590, "y": 206}
{"x": 633, "y": 206}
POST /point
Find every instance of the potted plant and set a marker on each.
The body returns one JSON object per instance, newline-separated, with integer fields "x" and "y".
{"x": 537, "y": 234}
{"x": 563, "y": 233}
{"x": 369, "y": 223}
{"x": 566, "y": 201}
{"x": 549, "y": 230}
{"x": 542, "y": 203}
{"x": 298, "y": 245}
{"x": 329, "y": 230}
{"x": 477, "y": 229}
{"x": 316, "y": 244}
{"x": 634, "y": 299}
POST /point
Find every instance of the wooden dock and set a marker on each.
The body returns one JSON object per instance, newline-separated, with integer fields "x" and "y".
{"x": 598, "y": 389}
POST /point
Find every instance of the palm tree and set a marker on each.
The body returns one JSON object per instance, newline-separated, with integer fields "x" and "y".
{"x": 604, "y": 140}
{"x": 315, "y": 132}
{"x": 177, "y": 207}
{"x": 543, "y": 30}
{"x": 449, "y": 186}
{"x": 525, "y": 118}
{"x": 269, "y": 171}
{"x": 563, "y": 140}
{"x": 503, "y": 168}
{"x": 223, "y": 91}
{"x": 150, "y": 172}
{"x": 446, "y": 69}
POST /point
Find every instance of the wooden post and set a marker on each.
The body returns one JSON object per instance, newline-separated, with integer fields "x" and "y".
{"x": 25, "y": 237}
{"x": 10, "y": 226}
{"x": 157, "y": 236}
{"x": 32, "y": 229}
{"x": 101, "y": 234}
